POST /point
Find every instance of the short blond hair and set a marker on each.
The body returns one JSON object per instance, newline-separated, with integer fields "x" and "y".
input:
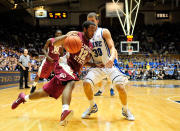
{"x": 93, "y": 14}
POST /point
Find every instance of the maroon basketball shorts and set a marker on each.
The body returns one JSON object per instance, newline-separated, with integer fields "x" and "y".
{"x": 46, "y": 68}
{"x": 63, "y": 75}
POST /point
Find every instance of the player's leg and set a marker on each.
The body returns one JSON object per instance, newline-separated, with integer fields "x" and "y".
{"x": 44, "y": 71}
{"x": 93, "y": 77}
{"x": 22, "y": 98}
{"x": 49, "y": 89}
{"x": 40, "y": 93}
{"x": 66, "y": 99}
{"x": 120, "y": 80}
{"x": 122, "y": 94}
{"x": 123, "y": 97}
{"x": 111, "y": 86}
{"x": 100, "y": 86}
{"x": 66, "y": 96}
{"x": 33, "y": 88}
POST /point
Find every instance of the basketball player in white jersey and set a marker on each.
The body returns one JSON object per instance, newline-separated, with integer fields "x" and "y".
{"x": 108, "y": 83}
{"x": 104, "y": 54}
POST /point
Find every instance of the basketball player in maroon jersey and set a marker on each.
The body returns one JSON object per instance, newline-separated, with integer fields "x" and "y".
{"x": 52, "y": 56}
{"x": 65, "y": 74}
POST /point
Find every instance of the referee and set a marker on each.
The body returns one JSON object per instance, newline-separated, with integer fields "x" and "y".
{"x": 25, "y": 66}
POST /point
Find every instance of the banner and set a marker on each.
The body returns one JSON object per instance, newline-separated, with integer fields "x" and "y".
{"x": 12, "y": 77}
{"x": 7, "y": 77}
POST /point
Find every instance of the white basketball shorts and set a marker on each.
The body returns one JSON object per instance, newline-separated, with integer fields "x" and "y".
{"x": 95, "y": 75}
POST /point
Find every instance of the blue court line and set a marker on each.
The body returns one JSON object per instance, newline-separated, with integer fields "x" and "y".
{"x": 157, "y": 86}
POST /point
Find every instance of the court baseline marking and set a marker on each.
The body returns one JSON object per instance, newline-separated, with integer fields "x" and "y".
{"x": 169, "y": 99}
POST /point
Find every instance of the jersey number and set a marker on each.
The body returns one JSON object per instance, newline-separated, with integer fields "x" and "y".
{"x": 56, "y": 50}
{"x": 98, "y": 52}
{"x": 83, "y": 54}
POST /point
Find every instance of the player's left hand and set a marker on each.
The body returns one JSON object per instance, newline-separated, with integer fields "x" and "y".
{"x": 110, "y": 63}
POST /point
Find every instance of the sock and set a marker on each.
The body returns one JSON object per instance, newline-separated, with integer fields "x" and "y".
{"x": 35, "y": 83}
{"x": 65, "y": 107}
{"x": 125, "y": 107}
{"x": 92, "y": 103}
{"x": 26, "y": 97}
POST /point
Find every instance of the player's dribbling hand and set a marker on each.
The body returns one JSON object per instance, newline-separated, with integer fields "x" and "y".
{"x": 109, "y": 64}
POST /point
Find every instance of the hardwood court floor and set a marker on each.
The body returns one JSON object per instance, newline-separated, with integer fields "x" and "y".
{"x": 153, "y": 107}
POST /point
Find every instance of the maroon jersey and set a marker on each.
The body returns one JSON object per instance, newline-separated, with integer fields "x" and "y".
{"x": 76, "y": 61}
{"x": 54, "y": 51}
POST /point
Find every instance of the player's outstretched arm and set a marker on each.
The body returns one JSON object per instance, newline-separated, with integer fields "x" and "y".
{"x": 60, "y": 40}
{"x": 110, "y": 42}
{"x": 72, "y": 33}
{"x": 44, "y": 50}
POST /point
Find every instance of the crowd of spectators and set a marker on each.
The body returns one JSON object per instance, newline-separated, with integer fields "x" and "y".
{"x": 9, "y": 58}
{"x": 150, "y": 67}
{"x": 154, "y": 39}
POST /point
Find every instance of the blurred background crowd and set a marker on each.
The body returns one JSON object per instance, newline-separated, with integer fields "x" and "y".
{"x": 157, "y": 59}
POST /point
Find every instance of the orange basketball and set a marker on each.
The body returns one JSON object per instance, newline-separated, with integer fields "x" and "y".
{"x": 72, "y": 44}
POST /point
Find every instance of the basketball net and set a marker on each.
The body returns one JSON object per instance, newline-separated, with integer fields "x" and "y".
{"x": 130, "y": 52}
{"x": 129, "y": 16}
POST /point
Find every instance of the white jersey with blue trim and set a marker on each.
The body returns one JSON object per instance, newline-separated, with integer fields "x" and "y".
{"x": 100, "y": 51}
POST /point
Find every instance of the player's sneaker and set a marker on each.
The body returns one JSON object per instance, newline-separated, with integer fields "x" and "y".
{"x": 33, "y": 88}
{"x": 112, "y": 92}
{"x": 89, "y": 111}
{"x": 65, "y": 116}
{"x": 19, "y": 100}
{"x": 129, "y": 116}
{"x": 98, "y": 93}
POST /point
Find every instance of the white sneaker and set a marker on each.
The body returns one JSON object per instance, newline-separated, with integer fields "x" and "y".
{"x": 129, "y": 116}
{"x": 89, "y": 111}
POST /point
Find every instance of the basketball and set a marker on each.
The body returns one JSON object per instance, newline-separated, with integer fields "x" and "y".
{"x": 72, "y": 44}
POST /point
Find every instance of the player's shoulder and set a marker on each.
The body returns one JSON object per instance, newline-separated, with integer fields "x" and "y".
{"x": 105, "y": 30}
{"x": 106, "y": 33}
{"x": 102, "y": 29}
